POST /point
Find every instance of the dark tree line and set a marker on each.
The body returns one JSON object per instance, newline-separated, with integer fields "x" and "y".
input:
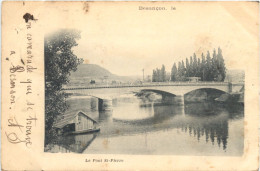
{"x": 206, "y": 68}
{"x": 59, "y": 61}
{"x": 159, "y": 75}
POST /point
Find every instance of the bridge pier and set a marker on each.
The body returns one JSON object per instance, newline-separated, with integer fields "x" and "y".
{"x": 104, "y": 104}
{"x": 230, "y": 87}
{"x": 93, "y": 103}
{"x": 176, "y": 100}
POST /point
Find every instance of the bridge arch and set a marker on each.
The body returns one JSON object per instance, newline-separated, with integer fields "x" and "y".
{"x": 202, "y": 94}
{"x": 162, "y": 92}
{"x": 167, "y": 97}
{"x": 208, "y": 90}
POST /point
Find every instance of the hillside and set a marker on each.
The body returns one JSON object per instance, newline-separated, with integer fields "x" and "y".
{"x": 87, "y": 72}
{"x": 91, "y": 70}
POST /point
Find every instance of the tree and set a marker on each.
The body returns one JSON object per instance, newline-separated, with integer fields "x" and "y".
{"x": 187, "y": 68}
{"x": 221, "y": 65}
{"x": 203, "y": 67}
{"x": 59, "y": 61}
{"x": 154, "y": 75}
{"x": 199, "y": 69}
{"x": 191, "y": 67}
{"x": 183, "y": 71}
{"x": 214, "y": 66}
{"x": 179, "y": 75}
{"x": 174, "y": 73}
{"x": 208, "y": 69}
{"x": 158, "y": 75}
{"x": 208, "y": 73}
{"x": 168, "y": 76}
{"x": 59, "y": 58}
{"x": 163, "y": 74}
{"x": 195, "y": 65}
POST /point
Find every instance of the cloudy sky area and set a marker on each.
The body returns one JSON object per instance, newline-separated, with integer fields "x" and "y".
{"x": 125, "y": 40}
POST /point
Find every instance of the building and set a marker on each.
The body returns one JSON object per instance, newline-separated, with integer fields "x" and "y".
{"x": 75, "y": 123}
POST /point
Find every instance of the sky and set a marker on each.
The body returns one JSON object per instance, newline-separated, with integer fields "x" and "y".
{"x": 125, "y": 40}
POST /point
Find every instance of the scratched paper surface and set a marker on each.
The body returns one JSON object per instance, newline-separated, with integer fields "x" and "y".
{"x": 130, "y": 85}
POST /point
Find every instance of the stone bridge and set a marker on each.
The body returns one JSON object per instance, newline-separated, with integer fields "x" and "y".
{"x": 105, "y": 93}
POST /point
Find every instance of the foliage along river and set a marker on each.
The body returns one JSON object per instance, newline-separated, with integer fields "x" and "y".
{"x": 138, "y": 126}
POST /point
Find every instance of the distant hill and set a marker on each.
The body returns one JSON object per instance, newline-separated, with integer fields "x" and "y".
{"x": 87, "y": 72}
{"x": 91, "y": 70}
{"x": 235, "y": 76}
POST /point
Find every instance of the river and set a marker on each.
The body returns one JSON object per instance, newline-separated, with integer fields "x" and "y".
{"x": 138, "y": 126}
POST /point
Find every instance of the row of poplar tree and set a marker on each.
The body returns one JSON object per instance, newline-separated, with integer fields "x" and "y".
{"x": 206, "y": 68}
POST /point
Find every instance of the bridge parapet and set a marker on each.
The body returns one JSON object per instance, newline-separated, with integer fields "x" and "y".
{"x": 153, "y": 84}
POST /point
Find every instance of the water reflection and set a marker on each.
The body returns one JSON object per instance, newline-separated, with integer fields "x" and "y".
{"x": 157, "y": 114}
{"x": 75, "y": 143}
{"x": 214, "y": 128}
{"x": 132, "y": 118}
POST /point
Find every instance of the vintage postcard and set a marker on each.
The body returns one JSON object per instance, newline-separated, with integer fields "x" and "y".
{"x": 130, "y": 85}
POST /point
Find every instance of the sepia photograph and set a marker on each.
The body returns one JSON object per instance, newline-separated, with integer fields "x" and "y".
{"x": 122, "y": 85}
{"x": 166, "y": 93}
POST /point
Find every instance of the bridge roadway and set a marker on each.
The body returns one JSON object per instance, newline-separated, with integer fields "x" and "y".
{"x": 174, "y": 88}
